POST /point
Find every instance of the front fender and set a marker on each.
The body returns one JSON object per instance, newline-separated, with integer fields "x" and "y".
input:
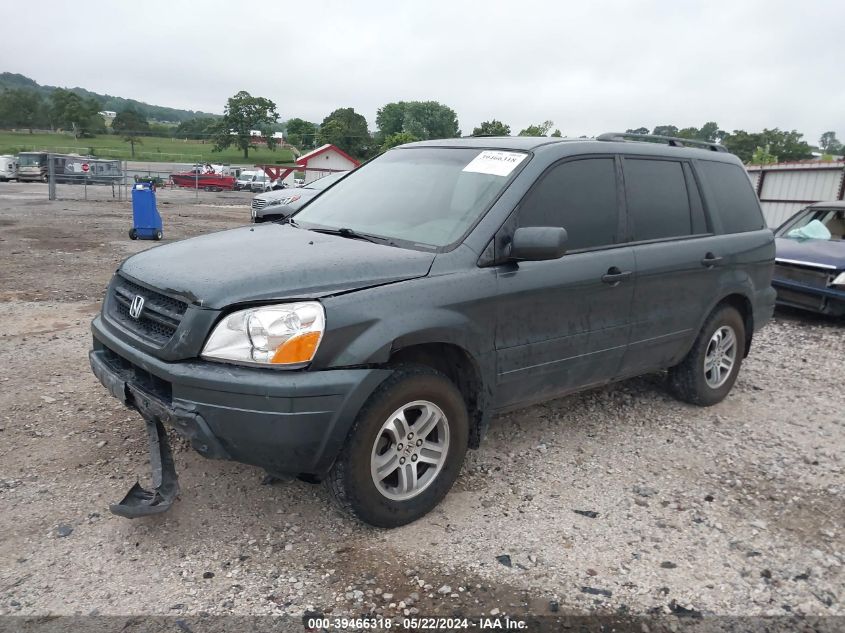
{"x": 364, "y": 328}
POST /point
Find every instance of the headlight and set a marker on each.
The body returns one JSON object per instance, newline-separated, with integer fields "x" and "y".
{"x": 279, "y": 201}
{"x": 839, "y": 280}
{"x": 285, "y": 335}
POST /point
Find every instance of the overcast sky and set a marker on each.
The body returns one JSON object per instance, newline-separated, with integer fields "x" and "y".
{"x": 589, "y": 66}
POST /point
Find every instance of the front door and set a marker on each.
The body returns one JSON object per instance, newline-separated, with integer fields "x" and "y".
{"x": 564, "y": 324}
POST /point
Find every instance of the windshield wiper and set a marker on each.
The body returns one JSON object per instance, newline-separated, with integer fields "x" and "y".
{"x": 345, "y": 232}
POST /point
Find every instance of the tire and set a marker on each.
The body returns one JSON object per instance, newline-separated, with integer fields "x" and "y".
{"x": 420, "y": 391}
{"x": 690, "y": 381}
{"x": 133, "y": 234}
{"x": 158, "y": 236}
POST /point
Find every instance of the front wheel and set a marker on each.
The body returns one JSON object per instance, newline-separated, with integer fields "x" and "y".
{"x": 404, "y": 451}
{"x": 709, "y": 370}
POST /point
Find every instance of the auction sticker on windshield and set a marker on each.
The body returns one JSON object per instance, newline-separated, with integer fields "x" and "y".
{"x": 495, "y": 162}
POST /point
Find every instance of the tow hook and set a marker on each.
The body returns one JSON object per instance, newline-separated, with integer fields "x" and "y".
{"x": 140, "y": 502}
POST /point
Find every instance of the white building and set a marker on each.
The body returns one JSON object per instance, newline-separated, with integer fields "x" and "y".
{"x": 325, "y": 160}
{"x": 313, "y": 165}
{"x": 785, "y": 188}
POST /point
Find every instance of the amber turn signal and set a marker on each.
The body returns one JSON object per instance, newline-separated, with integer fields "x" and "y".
{"x": 297, "y": 349}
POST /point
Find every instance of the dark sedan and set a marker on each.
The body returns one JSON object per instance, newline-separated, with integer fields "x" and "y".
{"x": 810, "y": 262}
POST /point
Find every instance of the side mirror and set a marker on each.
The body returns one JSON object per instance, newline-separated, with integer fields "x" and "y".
{"x": 538, "y": 243}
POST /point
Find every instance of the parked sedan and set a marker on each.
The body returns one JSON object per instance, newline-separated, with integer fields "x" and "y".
{"x": 276, "y": 205}
{"x": 810, "y": 262}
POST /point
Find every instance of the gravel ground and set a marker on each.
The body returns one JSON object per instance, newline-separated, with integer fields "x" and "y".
{"x": 617, "y": 500}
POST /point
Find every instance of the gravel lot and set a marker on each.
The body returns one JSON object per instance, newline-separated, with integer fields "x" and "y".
{"x": 618, "y": 500}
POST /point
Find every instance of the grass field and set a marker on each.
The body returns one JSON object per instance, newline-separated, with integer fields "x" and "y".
{"x": 152, "y": 149}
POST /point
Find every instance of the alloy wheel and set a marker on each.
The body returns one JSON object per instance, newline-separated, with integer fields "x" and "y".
{"x": 720, "y": 357}
{"x": 410, "y": 450}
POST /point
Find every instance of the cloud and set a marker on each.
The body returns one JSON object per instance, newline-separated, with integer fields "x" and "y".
{"x": 590, "y": 67}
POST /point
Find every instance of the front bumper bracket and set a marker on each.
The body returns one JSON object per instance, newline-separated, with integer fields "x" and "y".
{"x": 140, "y": 502}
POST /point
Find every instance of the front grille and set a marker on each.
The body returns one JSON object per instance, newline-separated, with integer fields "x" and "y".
{"x": 159, "y": 318}
{"x": 258, "y": 204}
{"x": 150, "y": 383}
{"x": 809, "y": 276}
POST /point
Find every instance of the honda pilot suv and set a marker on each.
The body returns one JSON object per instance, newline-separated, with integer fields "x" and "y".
{"x": 367, "y": 340}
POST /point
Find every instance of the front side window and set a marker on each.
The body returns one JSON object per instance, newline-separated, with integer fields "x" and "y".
{"x": 426, "y": 196}
{"x": 579, "y": 196}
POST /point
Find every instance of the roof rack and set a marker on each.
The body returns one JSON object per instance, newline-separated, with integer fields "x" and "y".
{"x": 673, "y": 141}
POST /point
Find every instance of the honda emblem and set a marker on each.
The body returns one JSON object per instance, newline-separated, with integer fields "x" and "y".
{"x": 136, "y": 307}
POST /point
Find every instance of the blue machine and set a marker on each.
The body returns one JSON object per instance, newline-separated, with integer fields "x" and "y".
{"x": 146, "y": 221}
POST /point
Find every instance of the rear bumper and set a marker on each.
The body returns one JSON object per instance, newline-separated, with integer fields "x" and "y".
{"x": 764, "y": 306}
{"x": 283, "y": 421}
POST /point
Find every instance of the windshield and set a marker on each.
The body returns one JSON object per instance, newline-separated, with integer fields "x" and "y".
{"x": 428, "y": 195}
{"x": 325, "y": 181}
{"x": 825, "y": 224}
{"x": 29, "y": 160}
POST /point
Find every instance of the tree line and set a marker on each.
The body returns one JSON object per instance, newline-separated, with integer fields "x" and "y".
{"x": 12, "y": 81}
{"x": 398, "y": 122}
{"x": 407, "y": 121}
{"x": 22, "y": 108}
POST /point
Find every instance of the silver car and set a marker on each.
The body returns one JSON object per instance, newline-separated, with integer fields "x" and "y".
{"x": 277, "y": 205}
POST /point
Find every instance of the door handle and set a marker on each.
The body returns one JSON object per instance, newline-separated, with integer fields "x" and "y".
{"x": 613, "y": 275}
{"x": 710, "y": 260}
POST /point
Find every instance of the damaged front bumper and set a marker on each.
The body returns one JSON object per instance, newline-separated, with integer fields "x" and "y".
{"x": 284, "y": 422}
{"x": 140, "y": 502}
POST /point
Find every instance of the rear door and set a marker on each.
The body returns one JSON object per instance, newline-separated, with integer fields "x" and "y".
{"x": 563, "y": 324}
{"x": 677, "y": 261}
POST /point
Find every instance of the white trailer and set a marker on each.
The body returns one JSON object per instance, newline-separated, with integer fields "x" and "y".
{"x": 786, "y": 188}
{"x": 8, "y": 168}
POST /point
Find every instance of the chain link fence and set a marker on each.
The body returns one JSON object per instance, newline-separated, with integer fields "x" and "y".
{"x": 70, "y": 177}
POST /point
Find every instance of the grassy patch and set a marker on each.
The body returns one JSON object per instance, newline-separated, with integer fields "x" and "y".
{"x": 153, "y": 148}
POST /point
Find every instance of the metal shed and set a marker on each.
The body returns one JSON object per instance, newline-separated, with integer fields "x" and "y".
{"x": 785, "y": 188}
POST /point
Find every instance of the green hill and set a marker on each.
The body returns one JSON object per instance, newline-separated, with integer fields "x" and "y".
{"x": 10, "y": 81}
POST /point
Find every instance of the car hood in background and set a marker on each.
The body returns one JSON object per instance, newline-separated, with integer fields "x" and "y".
{"x": 287, "y": 192}
{"x": 821, "y": 252}
{"x": 271, "y": 261}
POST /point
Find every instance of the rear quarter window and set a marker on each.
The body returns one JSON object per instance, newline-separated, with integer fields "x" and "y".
{"x": 734, "y": 198}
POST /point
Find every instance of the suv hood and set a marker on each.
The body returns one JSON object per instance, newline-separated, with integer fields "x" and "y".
{"x": 825, "y": 252}
{"x": 271, "y": 261}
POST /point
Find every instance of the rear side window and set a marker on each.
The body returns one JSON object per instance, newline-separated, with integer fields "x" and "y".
{"x": 735, "y": 199}
{"x": 580, "y": 196}
{"x": 658, "y": 203}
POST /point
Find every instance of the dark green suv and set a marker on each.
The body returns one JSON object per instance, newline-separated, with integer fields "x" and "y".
{"x": 367, "y": 340}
